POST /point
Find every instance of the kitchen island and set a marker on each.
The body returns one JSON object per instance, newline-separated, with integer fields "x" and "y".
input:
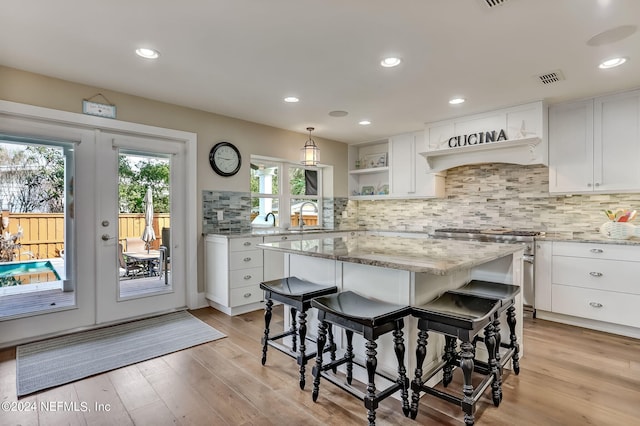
{"x": 409, "y": 271}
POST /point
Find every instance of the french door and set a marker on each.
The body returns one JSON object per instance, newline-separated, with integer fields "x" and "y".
{"x": 134, "y": 276}
{"x": 92, "y": 272}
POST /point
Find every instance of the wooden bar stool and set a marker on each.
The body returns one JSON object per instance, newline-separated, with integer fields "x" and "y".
{"x": 457, "y": 316}
{"x": 506, "y": 294}
{"x": 297, "y": 294}
{"x": 370, "y": 319}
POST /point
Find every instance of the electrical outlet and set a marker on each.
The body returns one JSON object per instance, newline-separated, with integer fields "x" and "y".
{"x": 220, "y": 214}
{"x": 344, "y": 214}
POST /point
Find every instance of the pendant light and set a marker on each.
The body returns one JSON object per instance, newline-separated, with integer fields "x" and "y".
{"x": 310, "y": 153}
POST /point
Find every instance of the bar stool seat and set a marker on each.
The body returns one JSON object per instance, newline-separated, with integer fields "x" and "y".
{"x": 371, "y": 319}
{"x": 297, "y": 294}
{"x": 457, "y": 316}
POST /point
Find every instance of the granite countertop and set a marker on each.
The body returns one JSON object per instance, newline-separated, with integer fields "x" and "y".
{"x": 439, "y": 257}
{"x": 586, "y": 237}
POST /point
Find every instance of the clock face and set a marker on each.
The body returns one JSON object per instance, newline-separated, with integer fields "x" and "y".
{"x": 225, "y": 159}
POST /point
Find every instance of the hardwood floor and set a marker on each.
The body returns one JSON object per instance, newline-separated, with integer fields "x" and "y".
{"x": 570, "y": 376}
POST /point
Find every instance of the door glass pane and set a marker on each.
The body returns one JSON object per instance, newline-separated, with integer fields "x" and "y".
{"x": 36, "y": 183}
{"x": 144, "y": 231}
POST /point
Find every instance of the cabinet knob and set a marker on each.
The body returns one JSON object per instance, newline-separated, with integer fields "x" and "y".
{"x": 595, "y": 274}
{"x": 589, "y": 185}
{"x": 597, "y": 251}
{"x": 247, "y": 259}
{"x": 247, "y": 243}
{"x": 595, "y": 304}
{"x": 284, "y": 238}
{"x": 597, "y": 184}
{"x": 247, "y": 295}
{"x": 247, "y": 277}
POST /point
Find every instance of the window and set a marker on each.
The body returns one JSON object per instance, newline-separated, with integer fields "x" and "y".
{"x": 300, "y": 192}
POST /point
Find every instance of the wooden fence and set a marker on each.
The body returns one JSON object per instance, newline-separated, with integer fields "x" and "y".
{"x": 43, "y": 233}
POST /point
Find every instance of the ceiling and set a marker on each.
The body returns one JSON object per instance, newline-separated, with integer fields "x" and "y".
{"x": 240, "y": 58}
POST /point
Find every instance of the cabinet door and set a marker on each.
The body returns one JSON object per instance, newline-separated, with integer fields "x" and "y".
{"x": 571, "y": 147}
{"x": 617, "y": 142}
{"x": 402, "y": 164}
{"x": 542, "y": 275}
{"x": 274, "y": 260}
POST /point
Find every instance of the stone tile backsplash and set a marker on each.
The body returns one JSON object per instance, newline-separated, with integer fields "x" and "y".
{"x": 483, "y": 196}
{"x": 491, "y": 195}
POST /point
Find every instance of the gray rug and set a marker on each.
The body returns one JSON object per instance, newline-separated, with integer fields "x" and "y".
{"x": 53, "y": 362}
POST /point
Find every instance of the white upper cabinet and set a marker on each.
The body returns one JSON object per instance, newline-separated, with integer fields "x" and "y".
{"x": 392, "y": 169}
{"x": 594, "y": 145}
{"x": 408, "y": 174}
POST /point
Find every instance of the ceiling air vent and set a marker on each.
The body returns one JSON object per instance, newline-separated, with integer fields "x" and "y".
{"x": 493, "y": 3}
{"x": 551, "y": 77}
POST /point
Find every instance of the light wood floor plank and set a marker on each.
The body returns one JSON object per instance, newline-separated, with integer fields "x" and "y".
{"x": 569, "y": 376}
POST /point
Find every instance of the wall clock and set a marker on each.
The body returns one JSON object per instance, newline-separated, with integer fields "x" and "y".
{"x": 225, "y": 159}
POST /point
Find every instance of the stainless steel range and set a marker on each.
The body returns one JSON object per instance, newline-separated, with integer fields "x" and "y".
{"x": 503, "y": 235}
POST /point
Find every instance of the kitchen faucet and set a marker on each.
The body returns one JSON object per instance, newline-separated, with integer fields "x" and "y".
{"x": 301, "y": 207}
{"x": 266, "y": 218}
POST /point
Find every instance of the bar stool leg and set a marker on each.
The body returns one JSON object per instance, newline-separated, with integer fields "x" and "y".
{"x": 349, "y": 355}
{"x": 448, "y": 357}
{"x": 467, "y": 365}
{"x": 294, "y": 347}
{"x": 416, "y": 385}
{"x": 302, "y": 330}
{"x": 332, "y": 347}
{"x": 490, "y": 343}
{"x": 511, "y": 320}
{"x": 267, "y": 321}
{"x": 402, "y": 371}
{"x": 496, "y": 329}
{"x": 370, "y": 401}
{"x": 322, "y": 339}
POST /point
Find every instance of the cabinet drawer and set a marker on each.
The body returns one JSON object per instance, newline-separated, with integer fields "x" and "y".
{"x": 617, "y": 308}
{"x": 245, "y": 259}
{"x": 245, "y": 295}
{"x": 597, "y": 251}
{"x": 243, "y": 244}
{"x": 245, "y": 277}
{"x": 608, "y": 275}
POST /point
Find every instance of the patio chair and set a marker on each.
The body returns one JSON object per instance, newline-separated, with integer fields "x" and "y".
{"x": 131, "y": 267}
{"x": 165, "y": 254}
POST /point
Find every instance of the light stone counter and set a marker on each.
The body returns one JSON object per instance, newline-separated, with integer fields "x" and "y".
{"x": 425, "y": 255}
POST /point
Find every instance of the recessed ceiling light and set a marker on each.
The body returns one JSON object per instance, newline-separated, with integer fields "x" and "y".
{"x": 338, "y": 113}
{"x": 456, "y": 101}
{"x": 612, "y": 63}
{"x": 390, "y": 62}
{"x": 147, "y": 53}
{"x": 291, "y": 99}
{"x": 364, "y": 122}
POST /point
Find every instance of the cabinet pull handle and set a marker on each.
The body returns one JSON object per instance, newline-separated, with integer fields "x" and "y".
{"x": 247, "y": 259}
{"x": 595, "y": 304}
{"x": 247, "y": 243}
{"x": 595, "y": 274}
{"x": 247, "y": 295}
{"x": 597, "y": 251}
{"x": 247, "y": 277}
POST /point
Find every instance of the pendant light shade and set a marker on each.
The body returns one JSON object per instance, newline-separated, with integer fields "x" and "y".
{"x": 310, "y": 153}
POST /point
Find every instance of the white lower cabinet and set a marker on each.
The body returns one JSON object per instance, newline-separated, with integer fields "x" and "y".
{"x": 233, "y": 272}
{"x": 596, "y": 282}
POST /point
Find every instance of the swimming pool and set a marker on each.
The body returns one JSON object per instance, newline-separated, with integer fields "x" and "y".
{"x": 29, "y": 272}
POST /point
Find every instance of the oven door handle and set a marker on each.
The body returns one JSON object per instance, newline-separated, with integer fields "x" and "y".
{"x": 528, "y": 258}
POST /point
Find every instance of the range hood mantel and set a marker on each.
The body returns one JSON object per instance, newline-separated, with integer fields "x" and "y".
{"x": 513, "y": 135}
{"x": 520, "y": 151}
